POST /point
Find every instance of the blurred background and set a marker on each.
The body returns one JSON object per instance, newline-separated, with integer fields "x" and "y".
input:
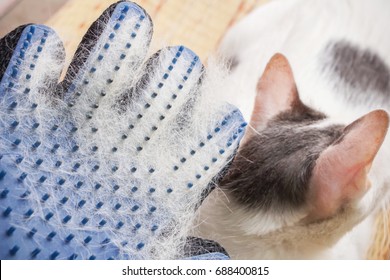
{"x": 16, "y": 12}
{"x": 197, "y": 24}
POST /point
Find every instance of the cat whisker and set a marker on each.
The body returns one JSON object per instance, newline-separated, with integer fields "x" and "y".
{"x": 247, "y": 159}
{"x": 253, "y": 129}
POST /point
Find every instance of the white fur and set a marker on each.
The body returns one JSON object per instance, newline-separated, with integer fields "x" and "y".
{"x": 300, "y": 30}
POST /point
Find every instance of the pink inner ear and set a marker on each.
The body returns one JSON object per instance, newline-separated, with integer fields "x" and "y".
{"x": 340, "y": 173}
{"x": 276, "y": 91}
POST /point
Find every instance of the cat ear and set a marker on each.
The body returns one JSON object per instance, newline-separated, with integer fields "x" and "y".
{"x": 340, "y": 173}
{"x": 276, "y": 91}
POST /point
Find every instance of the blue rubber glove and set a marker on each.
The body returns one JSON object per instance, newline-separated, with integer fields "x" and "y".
{"x": 112, "y": 162}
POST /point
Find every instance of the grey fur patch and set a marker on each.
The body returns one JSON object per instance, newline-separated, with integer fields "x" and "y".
{"x": 272, "y": 170}
{"x": 362, "y": 69}
{"x": 232, "y": 63}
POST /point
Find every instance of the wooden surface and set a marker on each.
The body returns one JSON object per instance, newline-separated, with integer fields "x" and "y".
{"x": 26, "y": 11}
{"x": 380, "y": 249}
{"x": 199, "y": 25}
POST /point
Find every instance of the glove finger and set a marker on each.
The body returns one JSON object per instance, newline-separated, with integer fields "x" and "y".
{"x": 27, "y": 73}
{"x": 207, "y": 153}
{"x": 107, "y": 59}
{"x": 152, "y": 106}
{"x": 7, "y": 46}
{"x": 30, "y": 77}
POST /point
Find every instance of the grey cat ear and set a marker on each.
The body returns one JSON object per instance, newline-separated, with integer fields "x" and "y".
{"x": 276, "y": 91}
{"x": 340, "y": 173}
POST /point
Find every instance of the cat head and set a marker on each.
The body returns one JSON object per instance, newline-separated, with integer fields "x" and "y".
{"x": 295, "y": 165}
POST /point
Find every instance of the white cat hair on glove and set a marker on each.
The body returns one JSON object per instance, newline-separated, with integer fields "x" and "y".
{"x": 112, "y": 162}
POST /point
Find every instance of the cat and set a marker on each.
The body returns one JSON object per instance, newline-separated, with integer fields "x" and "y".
{"x": 313, "y": 168}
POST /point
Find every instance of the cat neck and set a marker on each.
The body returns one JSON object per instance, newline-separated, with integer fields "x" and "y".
{"x": 257, "y": 236}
